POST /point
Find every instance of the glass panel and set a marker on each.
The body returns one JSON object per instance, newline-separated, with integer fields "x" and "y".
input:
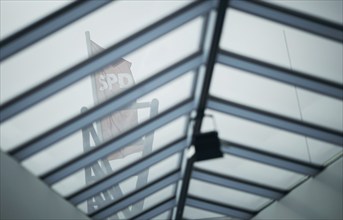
{"x": 194, "y": 213}
{"x": 268, "y": 41}
{"x": 45, "y": 59}
{"x": 149, "y": 202}
{"x": 252, "y": 171}
{"x": 162, "y": 137}
{"x": 134, "y": 182}
{"x": 262, "y": 93}
{"x": 51, "y": 112}
{"x": 163, "y": 216}
{"x": 227, "y": 196}
{"x": 270, "y": 139}
{"x": 328, "y": 10}
{"x": 29, "y": 11}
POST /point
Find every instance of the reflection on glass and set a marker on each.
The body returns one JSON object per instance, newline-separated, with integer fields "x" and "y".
{"x": 252, "y": 171}
{"x": 162, "y": 137}
{"x": 67, "y": 47}
{"x": 194, "y": 213}
{"x": 62, "y": 150}
{"x": 262, "y": 93}
{"x": 227, "y": 196}
{"x": 282, "y": 45}
{"x": 129, "y": 185}
{"x": 148, "y": 202}
{"x": 145, "y": 62}
{"x": 266, "y": 138}
{"x": 10, "y": 130}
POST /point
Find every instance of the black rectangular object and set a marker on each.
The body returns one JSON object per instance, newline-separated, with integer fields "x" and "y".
{"x": 207, "y": 146}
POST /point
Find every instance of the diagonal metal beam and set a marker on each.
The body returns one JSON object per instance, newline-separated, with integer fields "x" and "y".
{"x": 115, "y": 103}
{"x": 136, "y": 196}
{"x": 274, "y": 120}
{"x": 291, "y": 18}
{"x": 106, "y": 57}
{"x": 203, "y": 87}
{"x": 271, "y": 159}
{"x": 226, "y": 210}
{"x": 210, "y": 62}
{"x": 238, "y": 184}
{"x": 281, "y": 74}
{"x": 117, "y": 143}
{"x": 48, "y": 25}
{"x": 156, "y": 210}
{"x": 126, "y": 172}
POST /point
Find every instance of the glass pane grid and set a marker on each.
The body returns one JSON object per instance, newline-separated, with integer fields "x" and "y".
{"x": 253, "y": 172}
{"x": 269, "y": 139}
{"x": 131, "y": 184}
{"x": 76, "y": 181}
{"x": 286, "y": 47}
{"x": 227, "y": 196}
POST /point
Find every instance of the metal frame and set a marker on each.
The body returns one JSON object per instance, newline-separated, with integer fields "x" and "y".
{"x": 136, "y": 196}
{"x": 115, "y": 191}
{"x": 113, "y": 104}
{"x": 156, "y": 210}
{"x": 211, "y": 206}
{"x": 201, "y": 105}
{"x": 281, "y": 74}
{"x": 275, "y": 160}
{"x": 208, "y": 56}
{"x": 238, "y": 184}
{"x": 91, "y": 65}
{"x": 48, "y": 25}
{"x": 275, "y": 120}
{"x": 127, "y": 171}
{"x": 117, "y": 143}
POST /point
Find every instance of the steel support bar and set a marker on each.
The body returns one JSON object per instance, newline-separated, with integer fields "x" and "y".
{"x": 126, "y": 172}
{"x": 219, "y": 208}
{"x": 281, "y": 74}
{"x": 184, "y": 187}
{"x": 210, "y": 57}
{"x": 117, "y": 143}
{"x": 211, "y": 60}
{"x": 291, "y": 18}
{"x": 238, "y": 184}
{"x": 116, "y": 103}
{"x": 136, "y": 196}
{"x": 271, "y": 159}
{"x": 103, "y": 59}
{"x": 156, "y": 210}
{"x": 270, "y": 119}
{"x": 46, "y": 26}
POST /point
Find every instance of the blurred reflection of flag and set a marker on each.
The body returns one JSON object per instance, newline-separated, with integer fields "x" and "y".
{"x": 108, "y": 82}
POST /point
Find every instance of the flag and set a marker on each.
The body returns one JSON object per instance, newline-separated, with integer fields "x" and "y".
{"x": 107, "y": 83}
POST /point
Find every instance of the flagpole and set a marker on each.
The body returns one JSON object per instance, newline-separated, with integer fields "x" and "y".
{"x": 95, "y": 97}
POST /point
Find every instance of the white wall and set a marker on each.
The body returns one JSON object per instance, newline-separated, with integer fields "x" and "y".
{"x": 23, "y": 196}
{"x": 318, "y": 198}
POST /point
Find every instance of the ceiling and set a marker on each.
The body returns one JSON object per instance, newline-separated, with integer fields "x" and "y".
{"x": 267, "y": 76}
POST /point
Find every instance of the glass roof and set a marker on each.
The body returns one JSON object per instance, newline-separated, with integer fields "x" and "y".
{"x": 71, "y": 52}
{"x": 270, "y": 139}
{"x": 30, "y": 11}
{"x": 283, "y": 46}
{"x": 194, "y": 213}
{"x": 250, "y": 170}
{"x": 104, "y": 106}
{"x": 330, "y": 10}
{"x": 226, "y": 195}
{"x": 129, "y": 185}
